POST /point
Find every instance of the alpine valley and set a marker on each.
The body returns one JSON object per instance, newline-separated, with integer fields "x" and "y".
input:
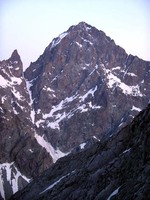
{"x": 77, "y": 101}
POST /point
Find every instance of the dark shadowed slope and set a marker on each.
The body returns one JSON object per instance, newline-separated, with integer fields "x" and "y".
{"x": 115, "y": 168}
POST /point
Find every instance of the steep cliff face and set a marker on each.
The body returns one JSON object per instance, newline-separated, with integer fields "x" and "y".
{"x": 114, "y": 168}
{"x": 81, "y": 89}
{"x": 84, "y": 85}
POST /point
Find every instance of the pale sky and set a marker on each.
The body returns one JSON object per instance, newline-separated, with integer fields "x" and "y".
{"x": 30, "y": 25}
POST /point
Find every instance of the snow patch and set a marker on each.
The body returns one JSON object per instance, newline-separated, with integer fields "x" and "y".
{"x": 56, "y": 41}
{"x": 3, "y": 99}
{"x": 16, "y": 81}
{"x": 3, "y": 82}
{"x": 58, "y": 118}
{"x": 88, "y": 41}
{"x": 91, "y": 91}
{"x": 39, "y": 122}
{"x": 82, "y": 145}
{"x": 96, "y": 138}
{"x": 17, "y": 94}
{"x": 82, "y": 108}
{"x": 13, "y": 81}
{"x": 48, "y": 89}
{"x": 31, "y": 150}
{"x": 136, "y": 109}
{"x": 54, "y": 116}
{"x": 93, "y": 106}
{"x": 88, "y": 28}
{"x": 12, "y": 176}
{"x": 114, "y": 81}
{"x": 131, "y": 74}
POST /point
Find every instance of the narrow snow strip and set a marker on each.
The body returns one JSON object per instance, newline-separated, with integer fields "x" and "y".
{"x": 32, "y": 113}
{"x": 80, "y": 45}
{"x": 55, "y": 183}
{"x": 127, "y": 150}
{"x": 116, "y": 68}
{"x": 51, "y": 186}
{"x": 113, "y": 193}
{"x": 55, "y": 154}
{"x": 2, "y": 187}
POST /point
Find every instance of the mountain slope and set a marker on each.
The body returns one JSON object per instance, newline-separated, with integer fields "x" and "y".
{"x": 84, "y": 85}
{"x": 115, "y": 168}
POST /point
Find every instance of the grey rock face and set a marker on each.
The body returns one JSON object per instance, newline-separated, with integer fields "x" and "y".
{"x": 114, "y": 168}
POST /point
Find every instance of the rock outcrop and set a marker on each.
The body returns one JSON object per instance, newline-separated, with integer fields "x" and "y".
{"x": 114, "y": 168}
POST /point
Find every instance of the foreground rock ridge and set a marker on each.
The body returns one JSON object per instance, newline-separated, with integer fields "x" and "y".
{"x": 82, "y": 89}
{"x": 115, "y": 168}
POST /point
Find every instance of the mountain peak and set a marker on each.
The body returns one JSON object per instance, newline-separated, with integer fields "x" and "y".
{"x": 83, "y": 24}
{"x": 15, "y": 56}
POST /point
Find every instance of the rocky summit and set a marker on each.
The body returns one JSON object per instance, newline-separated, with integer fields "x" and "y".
{"x": 83, "y": 88}
{"x": 115, "y": 168}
